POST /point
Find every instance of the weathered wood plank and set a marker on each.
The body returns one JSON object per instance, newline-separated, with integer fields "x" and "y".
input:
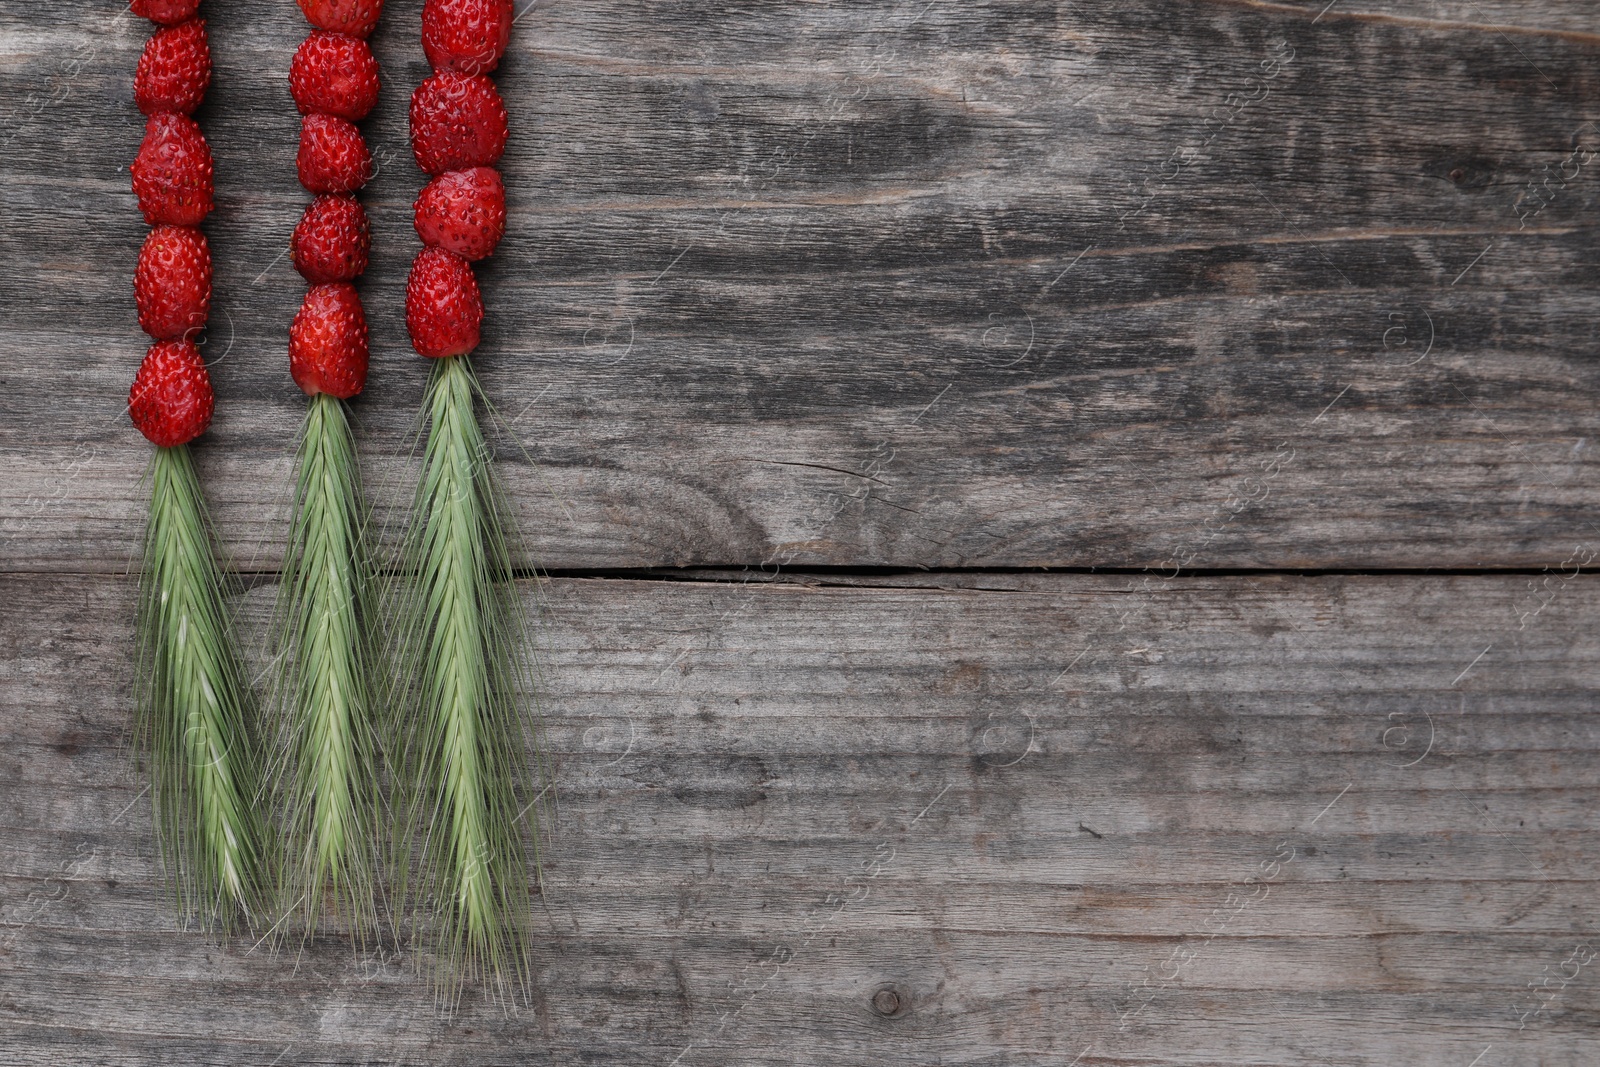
{"x": 1030, "y": 808}
{"x": 923, "y": 284}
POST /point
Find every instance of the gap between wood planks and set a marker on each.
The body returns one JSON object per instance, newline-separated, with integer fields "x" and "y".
{"x": 745, "y": 573}
{"x": 1333, "y": 11}
{"x": 867, "y": 576}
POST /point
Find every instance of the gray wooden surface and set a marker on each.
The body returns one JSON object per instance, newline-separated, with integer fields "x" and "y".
{"x": 922, "y": 284}
{"x": 932, "y": 294}
{"x": 1029, "y": 805}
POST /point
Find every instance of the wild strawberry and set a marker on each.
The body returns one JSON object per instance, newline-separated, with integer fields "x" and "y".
{"x": 166, "y": 12}
{"x": 332, "y": 240}
{"x": 172, "y": 283}
{"x": 174, "y": 69}
{"x": 172, "y": 173}
{"x": 355, "y": 17}
{"x": 468, "y": 36}
{"x": 463, "y": 211}
{"x": 457, "y": 121}
{"x": 333, "y": 158}
{"x": 328, "y": 342}
{"x": 334, "y": 74}
{"x": 171, "y": 398}
{"x": 443, "y": 306}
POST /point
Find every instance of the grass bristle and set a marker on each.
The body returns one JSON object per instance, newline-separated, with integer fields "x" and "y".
{"x": 463, "y": 734}
{"x": 326, "y": 772}
{"x": 192, "y": 709}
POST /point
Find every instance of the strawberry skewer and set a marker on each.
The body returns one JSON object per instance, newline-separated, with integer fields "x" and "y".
{"x": 325, "y": 772}
{"x": 192, "y": 698}
{"x": 462, "y": 629}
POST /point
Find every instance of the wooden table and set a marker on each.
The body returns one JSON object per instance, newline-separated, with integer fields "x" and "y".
{"x": 1070, "y": 530}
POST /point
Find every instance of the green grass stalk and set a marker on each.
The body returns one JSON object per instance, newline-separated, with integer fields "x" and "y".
{"x": 327, "y": 773}
{"x": 462, "y": 630}
{"x": 192, "y": 708}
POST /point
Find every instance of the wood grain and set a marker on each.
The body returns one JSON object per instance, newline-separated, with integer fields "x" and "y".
{"x": 1030, "y": 806}
{"x": 940, "y": 284}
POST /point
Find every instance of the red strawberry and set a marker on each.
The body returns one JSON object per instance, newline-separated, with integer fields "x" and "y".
{"x": 172, "y": 173}
{"x": 443, "y": 306}
{"x": 332, "y": 240}
{"x": 328, "y": 342}
{"x": 463, "y": 211}
{"x": 334, "y": 74}
{"x": 172, "y": 283}
{"x": 457, "y": 121}
{"x": 166, "y": 12}
{"x": 468, "y": 36}
{"x": 355, "y": 17}
{"x": 174, "y": 69}
{"x": 171, "y": 399}
{"x": 333, "y": 158}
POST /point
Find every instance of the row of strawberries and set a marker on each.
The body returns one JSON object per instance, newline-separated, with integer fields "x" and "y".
{"x": 171, "y": 399}
{"x": 458, "y": 131}
{"x": 334, "y": 81}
